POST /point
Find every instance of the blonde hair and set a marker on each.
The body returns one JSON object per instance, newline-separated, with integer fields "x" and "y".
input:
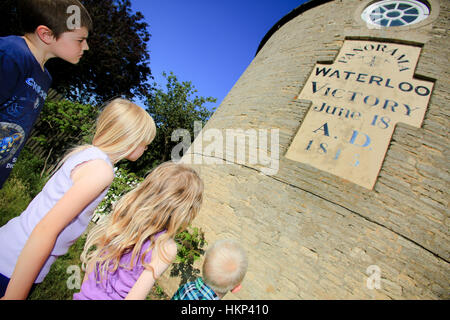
{"x": 225, "y": 266}
{"x": 168, "y": 199}
{"x": 121, "y": 127}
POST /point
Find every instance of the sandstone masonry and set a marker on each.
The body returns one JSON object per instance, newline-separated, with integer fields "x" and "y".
{"x": 310, "y": 234}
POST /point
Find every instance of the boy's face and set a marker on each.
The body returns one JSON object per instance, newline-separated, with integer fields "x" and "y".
{"x": 71, "y": 45}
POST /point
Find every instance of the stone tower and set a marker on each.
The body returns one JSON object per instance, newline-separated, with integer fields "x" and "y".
{"x": 329, "y": 158}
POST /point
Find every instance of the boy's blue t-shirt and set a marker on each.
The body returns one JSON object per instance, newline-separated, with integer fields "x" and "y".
{"x": 23, "y": 90}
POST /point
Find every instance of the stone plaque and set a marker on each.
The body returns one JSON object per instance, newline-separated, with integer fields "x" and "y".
{"x": 356, "y": 103}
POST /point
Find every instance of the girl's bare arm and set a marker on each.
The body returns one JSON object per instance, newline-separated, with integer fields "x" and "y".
{"x": 146, "y": 281}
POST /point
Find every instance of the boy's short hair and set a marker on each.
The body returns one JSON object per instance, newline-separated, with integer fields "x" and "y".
{"x": 53, "y": 14}
{"x": 225, "y": 266}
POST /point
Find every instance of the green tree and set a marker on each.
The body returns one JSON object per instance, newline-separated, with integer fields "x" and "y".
{"x": 63, "y": 124}
{"x": 174, "y": 107}
{"x": 117, "y": 63}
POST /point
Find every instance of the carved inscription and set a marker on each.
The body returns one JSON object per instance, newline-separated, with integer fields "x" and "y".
{"x": 356, "y": 103}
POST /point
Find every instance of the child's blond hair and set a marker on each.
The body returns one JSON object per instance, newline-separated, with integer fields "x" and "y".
{"x": 168, "y": 199}
{"x": 225, "y": 266}
{"x": 122, "y": 127}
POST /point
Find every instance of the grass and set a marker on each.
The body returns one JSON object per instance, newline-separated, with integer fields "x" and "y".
{"x": 14, "y": 198}
{"x": 55, "y": 287}
{"x": 22, "y": 186}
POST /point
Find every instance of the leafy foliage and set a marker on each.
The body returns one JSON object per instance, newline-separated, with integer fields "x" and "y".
{"x": 117, "y": 63}
{"x": 62, "y": 125}
{"x": 190, "y": 245}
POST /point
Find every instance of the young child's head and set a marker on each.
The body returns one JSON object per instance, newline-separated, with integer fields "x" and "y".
{"x": 63, "y": 25}
{"x": 168, "y": 200}
{"x": 124, "y": 130}
{"x": 225, "y": 266}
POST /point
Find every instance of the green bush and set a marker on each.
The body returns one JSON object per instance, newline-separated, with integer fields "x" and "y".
{"x": 62, "y": 125}
{"x": 190, "y": 245}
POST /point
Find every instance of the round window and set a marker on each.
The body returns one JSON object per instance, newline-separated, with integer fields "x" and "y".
{"x": 395, "y": 13}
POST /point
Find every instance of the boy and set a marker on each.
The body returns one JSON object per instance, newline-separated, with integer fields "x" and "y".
{"x": 224, "y": 269}
{"x": 53, "y": 29}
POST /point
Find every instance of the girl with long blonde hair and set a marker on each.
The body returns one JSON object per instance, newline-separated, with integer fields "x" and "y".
{"x": 130, "y": 248}
{"x": 60, "y": 213}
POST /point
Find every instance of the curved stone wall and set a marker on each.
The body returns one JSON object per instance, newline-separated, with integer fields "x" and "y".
{"x": 311, "y": 234}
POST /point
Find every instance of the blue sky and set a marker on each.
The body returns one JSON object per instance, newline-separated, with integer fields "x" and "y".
{"x": 208, "y": 42}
